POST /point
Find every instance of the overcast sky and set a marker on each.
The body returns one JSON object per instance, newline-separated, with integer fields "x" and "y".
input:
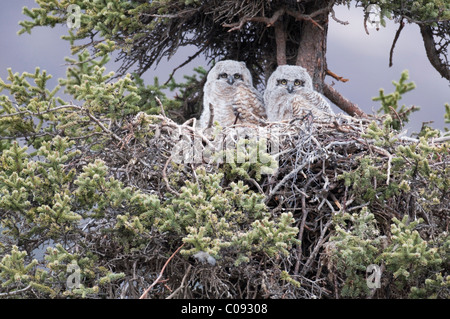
{"x": 352, "y": 54}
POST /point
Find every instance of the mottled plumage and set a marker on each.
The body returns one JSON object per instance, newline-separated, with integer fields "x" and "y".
{"x": 289, "y": 94}
{"x": 229, "y": 91}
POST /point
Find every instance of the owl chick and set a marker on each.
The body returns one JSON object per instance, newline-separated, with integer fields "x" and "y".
{"x": 289, "y": 94}
{"x": 229, "y": 92}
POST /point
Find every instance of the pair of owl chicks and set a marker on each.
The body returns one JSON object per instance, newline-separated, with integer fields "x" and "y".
{"x": 230, "y": 95}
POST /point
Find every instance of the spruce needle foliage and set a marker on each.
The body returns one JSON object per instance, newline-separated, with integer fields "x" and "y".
{"x": 94, "y": 205}
{"x": 249, "y": 159}
{"x": 356, "y": 245}
{"x": 233, "y": 222}
{"x": 409, "y": 256}
{"x": 390, "y": 103}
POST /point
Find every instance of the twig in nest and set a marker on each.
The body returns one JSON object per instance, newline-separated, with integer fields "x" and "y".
{"x": 161, "y": 106}
{"x": 320, "y": 242}
{"x": 160, "y": 274}
{"x": 389, "y": 156}
{"x": 15, "y": 292}
{"x": 105, "y": 129}
{"x": 340, "y": 128}
{"x": 166, "y": 180}
{"x": 288, "y": 177}
{"x": 389, "y": 169}
{"x": 252, "y": 180}
{"x": 170, "y": 123}
{"x": 335, "y": 200}
{"x": 174, "y": 293}
{"x": 300, "y": 234}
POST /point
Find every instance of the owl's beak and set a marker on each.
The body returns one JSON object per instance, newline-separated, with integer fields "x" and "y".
{"x": 230, "y": 80}
{"x": 290, "y": 88}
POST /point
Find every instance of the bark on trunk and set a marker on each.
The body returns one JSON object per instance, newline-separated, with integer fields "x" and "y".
{"x": 312, "y": 49}
{"x": 432, "y": 53}
{"x": 301, "y": 39}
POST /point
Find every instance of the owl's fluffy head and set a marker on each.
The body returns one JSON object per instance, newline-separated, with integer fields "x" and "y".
{"x": 289, "y": 79}
{"x": 231, "y": 72}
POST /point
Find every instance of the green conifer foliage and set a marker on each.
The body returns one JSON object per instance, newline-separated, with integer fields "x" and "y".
{"x": 35, "y": 194}
{"x": 401, "y": 173}
{"x": 356, "y": 245}
{"x": 93, "y": 205}
{"x": 447, "y": 115}
{"x": 389, "y": 103}
{"x": 408, "y": 255}
{"x": 37, "y": 204}
{"x": 13, "y": 269}
{"x": 232, "y": 223}
{"x": 248, "y": 159}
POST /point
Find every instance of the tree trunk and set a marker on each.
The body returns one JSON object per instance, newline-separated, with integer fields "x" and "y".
{"x": 313, "y": 45}
{"x": 433, "y": 53}
{"x": 301, "y": 39}
{"x": 312, "y": 53}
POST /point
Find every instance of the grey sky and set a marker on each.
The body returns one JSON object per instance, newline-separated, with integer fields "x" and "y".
{"x": 352, "y": 54}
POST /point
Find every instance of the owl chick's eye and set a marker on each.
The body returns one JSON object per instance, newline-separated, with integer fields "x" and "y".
{"x": 283, "y": 82}
{"x": 237, "y": 76}
{"x": 299, "y": 83}
{"x": 223, "y": 75}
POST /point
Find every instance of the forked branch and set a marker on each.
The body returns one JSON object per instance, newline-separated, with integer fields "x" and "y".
{"x": 277, "y": 15}
{"x": 433, "y": 53}
{"x": 268, "y": 21}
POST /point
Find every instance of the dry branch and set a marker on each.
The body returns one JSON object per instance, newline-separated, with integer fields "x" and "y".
{"x": 337, "y": 77}
{"x": 183, "y": 284}
{"x": 308, "y": 17}
{"x": 268, "y": 21}
{"x": 397, "y": 35}
{"x": 15, "y": 292}
{"x": 144, "y": 295}
{"x": 276, "y": 16}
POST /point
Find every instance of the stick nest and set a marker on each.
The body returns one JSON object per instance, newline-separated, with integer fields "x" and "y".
{"x": 325, "y": 168}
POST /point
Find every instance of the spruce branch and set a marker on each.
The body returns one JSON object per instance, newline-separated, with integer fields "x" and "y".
{"x": 39, "y": 113}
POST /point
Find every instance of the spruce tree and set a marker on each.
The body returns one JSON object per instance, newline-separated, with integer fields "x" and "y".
{"x": 93, "y": 204}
